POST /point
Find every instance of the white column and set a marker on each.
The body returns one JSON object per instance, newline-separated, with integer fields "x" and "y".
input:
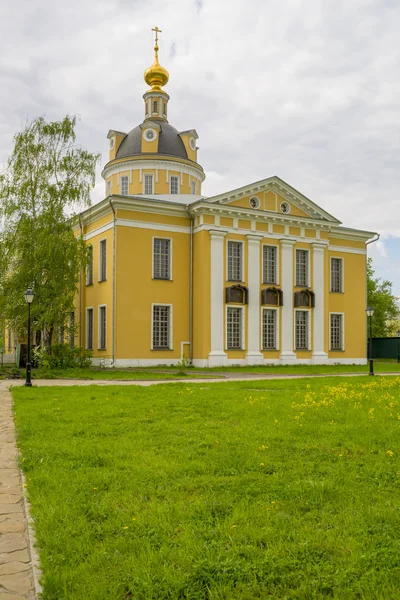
{"x": 254, "y": 356}
{"x": 217, "y": 356}
{"x": 319, "y": 355}
{"x": 287, "y": 355}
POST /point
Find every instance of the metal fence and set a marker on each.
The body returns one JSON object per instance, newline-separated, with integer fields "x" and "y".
{"x": 386, "y": 347}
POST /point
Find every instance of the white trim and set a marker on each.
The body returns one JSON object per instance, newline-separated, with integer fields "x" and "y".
{"x": 100, "y": 261}
{"x": 241, "y": 280}
{"x": 146, "y": 133}
{"x": 277, "y": 331}
{"x": 179, "y": 184}
{"x": 87, "y": 328}
{"x": 346, "y": 249}
{"x": 144, "y": 183}
{"x": 204, "y": 362}
{"x": 121, "y": 177}
{"x": 343, "y": 348}
{"x": 288, "y": 205}
{"x": 149, "y": 164}
{"x": 341, "y": 291}
{"x": 217, "y": 357}
{"x": 171, "y": 329}
{"x": 253, "y": 355}
{"x": 276, "y": 266}
{"x": 319, "y": 353}
{"x": 243, "y": 333}
{"x": 307, "y": 310}
{"x": 153, "y": 226}
{"x": 258, "y": 202}
{"x": 308, "y": 278}
{"x": 287, "y": 354}
{"x": 158, "y": 237}
{"x": 99, "y": 327}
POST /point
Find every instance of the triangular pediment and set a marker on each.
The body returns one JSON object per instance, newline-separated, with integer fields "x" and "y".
{"x": 273, "y": 195}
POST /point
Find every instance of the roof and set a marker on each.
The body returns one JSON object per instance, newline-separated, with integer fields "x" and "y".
{"x": 169, "y": 144}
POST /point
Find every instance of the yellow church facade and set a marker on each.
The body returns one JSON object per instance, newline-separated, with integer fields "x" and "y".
{"x": 257, "y": 275}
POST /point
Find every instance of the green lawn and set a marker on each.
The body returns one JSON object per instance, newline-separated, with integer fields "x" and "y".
{"x": 228, "y": 491}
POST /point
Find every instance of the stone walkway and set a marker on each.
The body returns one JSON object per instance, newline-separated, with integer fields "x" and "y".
{"x": 19, "y": 565}
{"x": 16, "y": 571}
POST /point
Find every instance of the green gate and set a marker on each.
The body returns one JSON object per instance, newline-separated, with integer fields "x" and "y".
{"x": 386, "y": 347}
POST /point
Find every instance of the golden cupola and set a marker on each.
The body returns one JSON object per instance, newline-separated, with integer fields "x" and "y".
{"x": 156, "y": 76}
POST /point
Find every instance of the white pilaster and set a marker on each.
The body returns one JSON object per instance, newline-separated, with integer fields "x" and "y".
{"x": 319, "y": 355}
{"x": 217, "y": 356}
{"x": 253, "y": 355}
{"x": 287, "y": 355}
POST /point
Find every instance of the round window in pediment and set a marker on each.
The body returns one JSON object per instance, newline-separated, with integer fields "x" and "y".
{"x": 150, "y": 135}
{"x": 254, "y": 202}
{"x": 285, "y": 208}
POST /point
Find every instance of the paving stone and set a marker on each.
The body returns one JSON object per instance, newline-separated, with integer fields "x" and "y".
{"x": 13, "y": 517}
{"x": 19, "y": 555}
{"x": 9, "y": 489}
{"x": 18, "y": 582}
{"x": 13, "y": 567}
{"x": 10, "y": 526}
{"x": 10, "y": 498}
{"x": 6, "y": 596}
{"x": 9, "y": 542}
{"x": 10, "y": 508}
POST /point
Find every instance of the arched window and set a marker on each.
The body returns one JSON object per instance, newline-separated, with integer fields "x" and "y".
{"x": 155, "y": 106}
{"x": 272, "y": 296}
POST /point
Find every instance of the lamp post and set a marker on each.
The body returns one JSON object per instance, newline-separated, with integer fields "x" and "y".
{"x": 29, "y": 299}
{"x": 370, "y": 314}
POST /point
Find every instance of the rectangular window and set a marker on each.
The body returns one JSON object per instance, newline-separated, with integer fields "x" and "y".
{"x": 269, "y": 333}
{"x": 336, "y": 275}
{"x": 89, "y": 328}
{"x": 124, "y": 185}
{"x": 71, "y": 329}
{"x": 193, "y": 186}
{"x": 174, "y": 184}
{"x": 336, "y": 331}
{"x": 269, "y": 264}
{"x": 301, "y": 333}
{"x": 161, "y": 327}
{"x": 234, "y": 328}
{"x": 302, "y": 267}
{"x": 148, "y": 184}
{"x": 103, "y": 260}
{"x": 89, "y": 266}
{"x": 102, "y": 327}
{"x": 235, "y": 261}
{"x": 161, "y": 258}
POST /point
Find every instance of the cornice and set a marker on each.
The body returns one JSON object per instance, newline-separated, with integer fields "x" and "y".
{"x": 158, "y": 161}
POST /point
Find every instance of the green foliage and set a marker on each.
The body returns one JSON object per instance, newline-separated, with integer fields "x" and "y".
{"x": 47, "y": 179}
{"x": 233, "y": 491}
{"x": 380, "y": 297}
{"x": 61, "y": 356}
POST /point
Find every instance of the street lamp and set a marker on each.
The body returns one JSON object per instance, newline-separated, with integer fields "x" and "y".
{"x": 370, "y": 314}
{"x": 29, "y": 299}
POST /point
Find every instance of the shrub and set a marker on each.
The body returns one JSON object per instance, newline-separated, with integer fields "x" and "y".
{"x": 61, "y": 356}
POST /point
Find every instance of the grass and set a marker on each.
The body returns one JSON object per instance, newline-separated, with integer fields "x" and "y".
{"x": 234, "y": 491}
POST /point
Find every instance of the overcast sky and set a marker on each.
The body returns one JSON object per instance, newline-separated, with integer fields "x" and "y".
{"x": 304, "y": 89}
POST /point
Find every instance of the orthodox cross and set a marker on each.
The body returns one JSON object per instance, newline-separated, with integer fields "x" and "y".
{"x": 157, "y": 32}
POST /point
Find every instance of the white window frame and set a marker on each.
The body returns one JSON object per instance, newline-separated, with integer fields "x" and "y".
{"x": 276, "y": 265}
{"x": 341, "y": 278}
{"x": 100, "y": 262}
{"x": 152, "y": 184}
{"x": 277, "y": 333}
{"x": 342, "y": 349}
{"x": 88, "y": 308}
{"x": 156, "y": 102}
{"x": 127, "y": 184}
{"x": 160, "y": 237}
{"x": 89, "y": 281}
{"x": 193, "y": 186}
{"x": 171, "y": 328}
{"x": 308, "y": 282}
{"x": 99, "y": 347}
{"x": 306, "y": 310}
{"x": 243, "y": 334}
{"x": 241, "y": 280}
{"x": 177, "y": 184}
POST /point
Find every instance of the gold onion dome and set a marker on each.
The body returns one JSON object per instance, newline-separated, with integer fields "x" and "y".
{"x": 156, "y": 76}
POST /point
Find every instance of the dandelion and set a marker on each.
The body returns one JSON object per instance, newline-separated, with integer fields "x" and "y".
{"x": 25, "y": 485}
{"x": 233, "y": 526}
{"x": 273, "y": 502}
{"x": 126, "y": 527}
{"x": 261, "y": 464}
{"x": 95, "y": 488}
{"x": 389, "y": 453}
{"x": 340, "y": 454}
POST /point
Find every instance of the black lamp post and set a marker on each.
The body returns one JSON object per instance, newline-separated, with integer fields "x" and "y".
{"x": 370, "y": 314}
{"x": 29, "y": 298}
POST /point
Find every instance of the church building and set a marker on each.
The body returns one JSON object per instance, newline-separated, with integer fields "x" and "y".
{"x": 257, "y": 275}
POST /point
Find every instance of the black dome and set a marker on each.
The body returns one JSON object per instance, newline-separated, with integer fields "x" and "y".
{"x": 169, "y": 143}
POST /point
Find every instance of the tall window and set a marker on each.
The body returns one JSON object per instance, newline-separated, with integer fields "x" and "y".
{"x": 336, "y": 275}
{"x": 155, "y": 106}
{"x": 174, "y": 184}
{"x": 148, "y": 184}
{"x": 301, "y": 330}
{"x": 193, "y": 186}
{"x": 269, "y": 264}
{"x": 234, "y": 328}
{"x": 161, "y": 327}
{"x": 102, "y": 327}
{"x": 161, "y": 258}
{"x": 302, "y": 267}
{"x": 103, "y": 260}
{"x": 89, "y": 266}
{"x": 336, "y": 332}
{"x": 71, "y": 329}
{"x": 235, "y": 261}
{"x": 89, "y": 328}
{"x": 269, "y": 334}
{"x": 124, "y": 185}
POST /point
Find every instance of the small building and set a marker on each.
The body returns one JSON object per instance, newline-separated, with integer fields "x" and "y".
{"x": 256, "y": 275}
